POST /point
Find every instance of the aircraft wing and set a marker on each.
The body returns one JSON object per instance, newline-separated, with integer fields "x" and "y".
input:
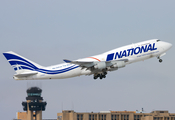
{"x": 81, "y": 63}
{"x": 93, "y": 63}
{"x": 25, "y": 74}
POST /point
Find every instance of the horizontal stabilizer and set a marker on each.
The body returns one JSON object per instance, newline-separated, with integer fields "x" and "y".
{"x": 25, "y": 74}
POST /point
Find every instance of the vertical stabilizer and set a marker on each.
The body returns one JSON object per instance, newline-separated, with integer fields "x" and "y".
{"x": 21, "y": 64}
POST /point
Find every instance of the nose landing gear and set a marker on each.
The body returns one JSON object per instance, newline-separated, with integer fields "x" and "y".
{"x": 160, "y": 60}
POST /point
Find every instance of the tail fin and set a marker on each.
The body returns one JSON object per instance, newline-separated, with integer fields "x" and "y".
{"x": 20, "y": 64}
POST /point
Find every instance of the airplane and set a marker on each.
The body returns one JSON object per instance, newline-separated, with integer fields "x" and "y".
{"x": 98, "y": 65}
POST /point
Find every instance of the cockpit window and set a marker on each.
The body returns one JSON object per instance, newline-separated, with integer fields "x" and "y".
{"x": 158, "y": 40}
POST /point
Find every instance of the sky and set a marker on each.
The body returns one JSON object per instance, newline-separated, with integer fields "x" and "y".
{"x": 47, "y": 32}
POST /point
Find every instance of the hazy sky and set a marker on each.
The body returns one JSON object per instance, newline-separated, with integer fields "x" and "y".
{"x": 48, "y": 31}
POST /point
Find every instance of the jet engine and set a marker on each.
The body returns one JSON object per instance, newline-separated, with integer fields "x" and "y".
{"x": 118, "y": 64}
{"x": 100, "y": 65}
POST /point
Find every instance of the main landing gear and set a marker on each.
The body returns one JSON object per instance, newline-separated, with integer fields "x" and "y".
{"x": 160, "y": 60}
{"x": 101, "y": 75}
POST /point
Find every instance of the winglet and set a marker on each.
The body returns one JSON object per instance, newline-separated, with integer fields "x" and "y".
{"x": 67, "y": 61}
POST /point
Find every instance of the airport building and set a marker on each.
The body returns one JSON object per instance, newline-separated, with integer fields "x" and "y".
{"x": 34, "y": 105}
{"x": 107, "y": 115}
{"x": 116, "y": 115}
{"x": 23, "y": 116}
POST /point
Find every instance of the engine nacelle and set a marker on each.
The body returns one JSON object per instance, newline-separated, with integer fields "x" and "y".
{"x": 100, "y": 65}
{"x": 119, "y": 64}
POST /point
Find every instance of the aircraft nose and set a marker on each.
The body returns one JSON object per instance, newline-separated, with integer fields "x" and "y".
{"x": 167, "y": 45}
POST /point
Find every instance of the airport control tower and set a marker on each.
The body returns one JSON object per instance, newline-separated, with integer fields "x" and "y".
{"x": 34, "y": 104}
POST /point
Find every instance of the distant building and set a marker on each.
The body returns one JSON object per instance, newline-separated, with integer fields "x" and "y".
{"x": 116, "y": 115}
{"x": 23, "y": 116}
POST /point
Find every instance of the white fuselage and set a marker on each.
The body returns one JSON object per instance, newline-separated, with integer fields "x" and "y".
{"x": 133, "y": 53}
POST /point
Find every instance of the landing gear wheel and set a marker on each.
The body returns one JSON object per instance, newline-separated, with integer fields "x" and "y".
{"x": 95, "y": 77}
{"x": 101, "y": 76}
{"x": 160, "y": 60}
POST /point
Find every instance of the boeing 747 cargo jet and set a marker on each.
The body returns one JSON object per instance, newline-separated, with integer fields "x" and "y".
{"x": 98, "y": 65}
